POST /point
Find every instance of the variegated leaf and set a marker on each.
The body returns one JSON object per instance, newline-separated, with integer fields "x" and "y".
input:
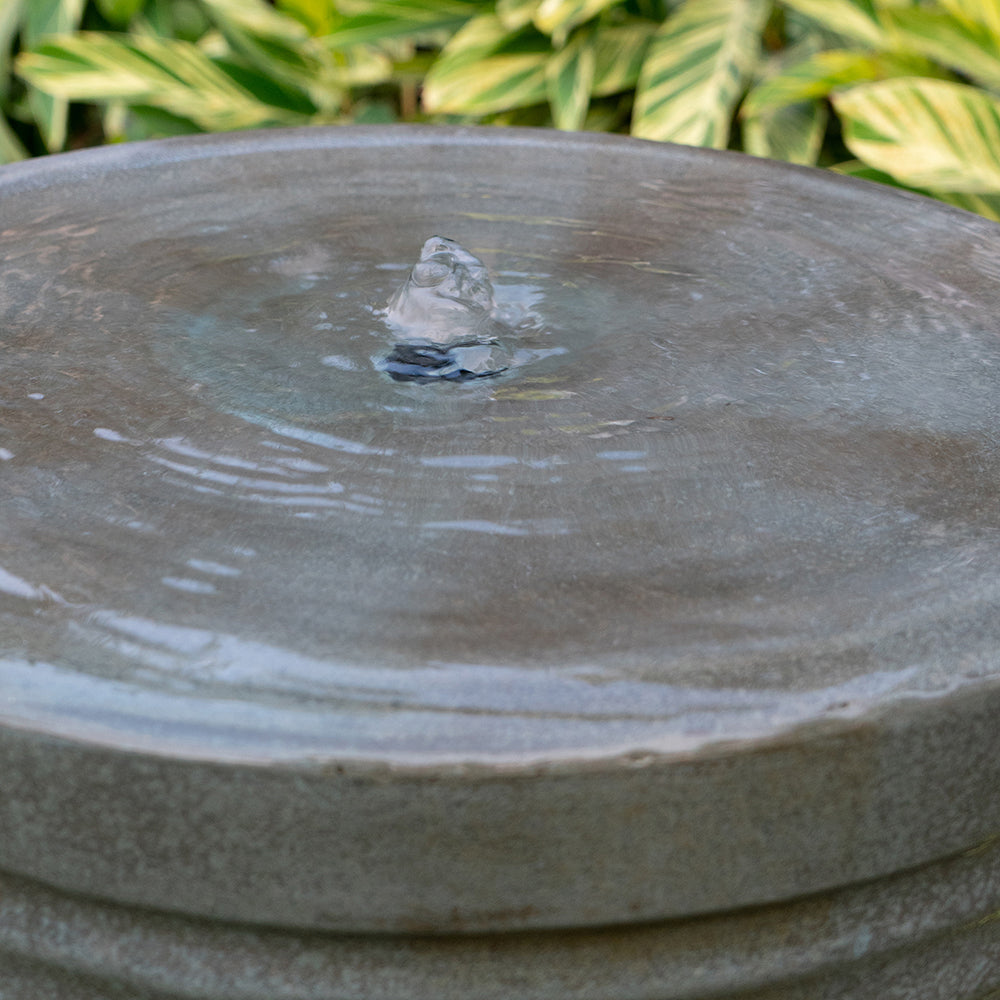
{"x": 374, "y": 21}
{"x": 275, "y": 43}
{"x": 11, "y": 148}
{"x": 280, "y": 48}
{"x": 473, "y": 76}
{"x": 569, "y": 76}
{"x": 695, "y": 71}
{"x": 257, "y": 18}
{"x": 498, "y": 83}
{"x": 559, "y": 17}
{"x": 172, "y": 75}
{"x": 792, "y": 132}
{"x": 987, "y": 205}
{"x": 983, "y": 12}
{"x": 859, "y": 20}
{"x": 10, "y": 24}
{"x": 619, "y": 52}
{"x": 820, "y": 74}
{"x": 475, "y": 40}
{"x": 925, "y": 133}
{"x": 318, "y": 16}
{"x": 515, "y": 14}
{"x": 966, "y": 46}
{"x": 41, "y": 18}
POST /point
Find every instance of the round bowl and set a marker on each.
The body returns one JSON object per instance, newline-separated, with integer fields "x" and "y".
{"x": 694, "y": 609}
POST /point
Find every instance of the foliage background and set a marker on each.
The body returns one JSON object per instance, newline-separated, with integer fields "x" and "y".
{"x": 902, "y": 91}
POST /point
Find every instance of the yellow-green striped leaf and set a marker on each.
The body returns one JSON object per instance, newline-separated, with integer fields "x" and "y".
{"x": 275, "y": 43}
{"x": 925, "y": 133}
{"x": 475, "y": 40}
{"x": 983, "y": 12}
{"x": 792, "y": 132}
{"x": 168, "y": 74}
{"x": 569, "y": 77}
{"x": 818, "y": 75}
{"x": 11, "y": 148}
{"x": 41, "y": 18}
{"x": 318, "y": 16}
{"x": 695, "y": 71}
{"x": 10, "y": 24}
{"x": 498, "y": 83}
{"x": 559, "y": 17}
{"x": 860, "y": 20}
{"x": 281, "y": 49}
{"x": 966, "y": 46}
{"x": 515, "y": 14}
{"x": 375, "y": 21}
{"x": 987, "y": 205}
{"x": 258, "y": 19}
{"x": 483, "y": 69}
{"x": 619, "y": 52}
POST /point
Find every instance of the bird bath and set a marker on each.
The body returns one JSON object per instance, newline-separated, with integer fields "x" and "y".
{"x": 661, "y": 664}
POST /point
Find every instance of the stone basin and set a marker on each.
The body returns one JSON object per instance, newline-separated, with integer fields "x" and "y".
{"x": 664, "y": 665}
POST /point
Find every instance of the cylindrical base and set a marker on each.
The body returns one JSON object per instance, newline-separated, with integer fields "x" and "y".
{"x": 928, "y": 934}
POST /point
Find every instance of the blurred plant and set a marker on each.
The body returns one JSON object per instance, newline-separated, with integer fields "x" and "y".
{"x": 909, "y": 88}
{"x": 914, "y": 86}
{"x": 27, "y": 22}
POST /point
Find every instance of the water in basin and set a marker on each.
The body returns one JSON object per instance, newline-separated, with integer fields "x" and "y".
{"x": 719, "y": 477}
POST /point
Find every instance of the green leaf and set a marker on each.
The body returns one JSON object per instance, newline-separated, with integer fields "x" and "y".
{"x": 172, "y": 19}
{"x": 168, "y": 74}
{"x": 10, "y": 24}
{"x": 559, "y": 17}
{"x": 41, "y": 18}
{"x": 859, "y": 20}
{"x": 49, "y": 17}
{"x": 858, "y": 168}
{"x": 619, "y": 52}
{"x": 925, "y": 133}
{"x": 820, "y": 74}
{"x": 569, "y": 76}
{"x": 11, "y": 148}
{"x": 257, "y": 19}
{"x": 498, "y": 84}
{"x": 279, "y": 47}
{"x": 477, "y": 39}
{"x": 485, "y": 69}
{"x": 987, "y": 205}
{"x": 318, "y": 16}
{"x": 515, "y": 14}
{"x": 143, "y": 122}
{"x": 268, "y": 39}
{"x": 119, "y": 12}
{"x": 968, "y": 47}
{"x": 695, "y": 71}
{"x": 377, "y": 20}
{"x": 982, "y": 12}
{"x": 792, "y": 132}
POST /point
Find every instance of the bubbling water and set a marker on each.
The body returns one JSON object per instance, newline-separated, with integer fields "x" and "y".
{"x": 444, "y": 317}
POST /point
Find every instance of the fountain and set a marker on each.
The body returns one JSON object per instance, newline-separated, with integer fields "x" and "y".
{"x": 600, "y": 602}
{"x": 445, "y": 314}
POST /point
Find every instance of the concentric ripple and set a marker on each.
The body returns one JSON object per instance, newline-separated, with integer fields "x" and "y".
{"x": 742, "y": 476}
